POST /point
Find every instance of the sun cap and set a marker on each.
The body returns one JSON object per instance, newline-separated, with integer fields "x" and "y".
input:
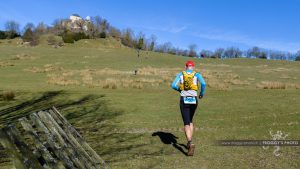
{"x": 189, "y": 63}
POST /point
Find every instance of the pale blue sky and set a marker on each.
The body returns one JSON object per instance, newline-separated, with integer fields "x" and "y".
{"x": 271, "y": 24}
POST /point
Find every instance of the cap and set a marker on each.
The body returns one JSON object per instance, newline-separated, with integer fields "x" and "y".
{"x": 189, "y": 63}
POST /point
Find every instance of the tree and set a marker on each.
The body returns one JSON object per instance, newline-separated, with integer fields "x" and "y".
{"x": 206, "y": 54}
{"x": 164, "y": 48}
{"x": 31, "y": 37}
{"x": 232, "y": 52}
{"x": 257, "y": 53}
{"x": 254, "y": 52}
{"x": 298, "y": 56}
{"x": 127, "y": 39}
{"x": 100, "y": 26}
{"x": 152, "y": 43}
{"x": 140, "y": 41}
{"x": 192, "y": 50}
{"x": 41, "y": 28}
{"x": 80, "y": 24}
{"x": 263, "y": 55}
{"x": 219, "y": 53}
{"x": 58, "y": 26}
{"x": 12, "y": 26}
{"x": 12, "y": 29}
{"x": 28, "y": 35}
{"x": 104, "y": 26}
{"x": 114, "y": 32}
{"x": 29, "y": 26}
{"x": 91, "y": 30}
{"x": 3, "y": 35}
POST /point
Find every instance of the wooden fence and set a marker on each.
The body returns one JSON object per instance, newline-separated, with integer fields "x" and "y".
{"x": 45, "y": 139}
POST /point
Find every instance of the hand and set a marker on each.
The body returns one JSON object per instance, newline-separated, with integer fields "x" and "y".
{"x": 200, "y": 96}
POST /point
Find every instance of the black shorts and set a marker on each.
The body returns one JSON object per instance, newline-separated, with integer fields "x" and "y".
{"x": 187, "y": 111}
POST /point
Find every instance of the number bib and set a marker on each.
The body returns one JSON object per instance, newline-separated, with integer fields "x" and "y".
{"x": 189, "y": 100}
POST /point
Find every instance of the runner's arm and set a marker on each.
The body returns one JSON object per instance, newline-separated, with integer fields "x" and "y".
{"x": 203, "y": 84}
{"x": 175, "y": 82}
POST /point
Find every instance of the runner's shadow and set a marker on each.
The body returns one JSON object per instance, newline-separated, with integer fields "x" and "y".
{"x": 169, "y": 138}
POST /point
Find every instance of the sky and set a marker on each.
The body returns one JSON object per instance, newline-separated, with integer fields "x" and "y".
{"x": 210, "y": 24}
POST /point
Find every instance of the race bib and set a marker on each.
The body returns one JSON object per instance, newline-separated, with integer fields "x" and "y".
{"x": 189, "y": 100}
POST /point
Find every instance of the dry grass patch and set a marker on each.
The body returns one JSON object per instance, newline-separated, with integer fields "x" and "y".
{"x": 271, "y": 85}
{"x": 277, "y": 85}
{"x": 23, "y": 56}
{"x": 61, "y": 80}
{"x": 8, "y": 95}
{"x": 280, "y": 69}
{"x": 5, "y": 64}
{"x": 45, "y": 69}
{"x": 237, "y": 82}
{"x": 216, "y": 84}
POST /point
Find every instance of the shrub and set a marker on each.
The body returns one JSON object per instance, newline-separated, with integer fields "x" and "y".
{"x": 51, "y": 40}
{"x": 8, "y": 95}
{"x": 79, "y": 35}
{"x": 102, "y": 35}
{"x": 12, "y": 34}
{"x": 3, "y": 35}
{"x": 68, "y": 38}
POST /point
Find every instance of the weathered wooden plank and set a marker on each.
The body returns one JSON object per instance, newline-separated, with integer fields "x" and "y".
{"x": 65, "y": 148}
{"x": 45, "y": 154}
{"x": 75, "y": 143}
{"x": 11, "y": 149}
{"x": 68, "y": 127}
{"x": 28, "y": 158}
{"x": 72, "y": 142}
{"x": 51, "y": 142}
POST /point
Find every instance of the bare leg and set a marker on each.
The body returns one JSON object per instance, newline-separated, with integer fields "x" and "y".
{"x": 192, "y": 129}
{"x": 188, "y": 132}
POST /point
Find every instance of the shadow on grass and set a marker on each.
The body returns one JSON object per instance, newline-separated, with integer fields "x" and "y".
{"x": 90, "y": 114}
{"x": 169, "y": 138}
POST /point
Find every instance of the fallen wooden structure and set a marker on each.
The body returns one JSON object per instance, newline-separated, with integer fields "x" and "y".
{"x": 45, "y": 139}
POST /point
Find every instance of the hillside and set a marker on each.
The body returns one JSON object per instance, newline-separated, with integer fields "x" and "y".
{"x": 121, "y": 115}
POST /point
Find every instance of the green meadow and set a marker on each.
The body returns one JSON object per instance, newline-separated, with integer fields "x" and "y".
{"x": 134, "y": 121}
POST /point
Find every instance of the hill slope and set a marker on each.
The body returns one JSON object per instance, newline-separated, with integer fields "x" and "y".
{"x": 133, "y": 120}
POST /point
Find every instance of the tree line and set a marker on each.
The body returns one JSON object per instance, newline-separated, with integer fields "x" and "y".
{"x": 98, "y": 27}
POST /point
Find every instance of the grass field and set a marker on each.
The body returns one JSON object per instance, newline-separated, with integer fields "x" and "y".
{"x": 132, "y": 120}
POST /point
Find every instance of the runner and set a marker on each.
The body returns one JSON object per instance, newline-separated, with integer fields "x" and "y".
{"x": 186, "y": 83}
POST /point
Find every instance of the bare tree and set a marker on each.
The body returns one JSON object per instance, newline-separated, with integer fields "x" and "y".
{"x": 104, "y": 26}
{"x": 232, "y": 52}
{"x": 12, "y": 26}
{"x": 127, "y": 37}
{"x": 219, "y": 52}
{"x": 164, "y": 48}
{"x": 12, "y": 29}
{"x": 114, "y": 32}
{"x": 298, "y": 56}
{"x": 80, "y": 24}
{"x": 206, "y": 54}
{"x": 29, "y": 26}
{"x": 91, "y": 30}
{"x": 41, "y": 28}
{"x": 192, "y": 50}
{"x": 58, "y": 26}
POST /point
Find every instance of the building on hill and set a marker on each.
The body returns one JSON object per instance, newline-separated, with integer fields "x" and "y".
{"x": 75, "y": 18}
{"x": 75, "y": 23}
